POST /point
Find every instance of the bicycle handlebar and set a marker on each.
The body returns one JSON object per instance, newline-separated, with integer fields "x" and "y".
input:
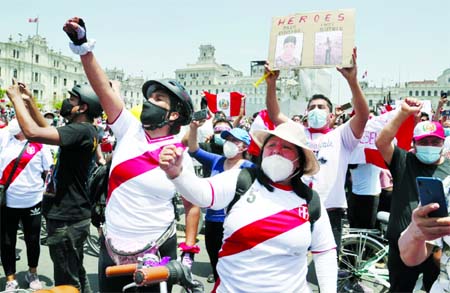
{"x": 145, "y": 276}
{"x": 173, "y": 272}
{"x": 121, "y": 270}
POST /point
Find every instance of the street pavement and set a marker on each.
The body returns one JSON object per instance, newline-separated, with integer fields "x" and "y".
{"x": 201, "y": 268}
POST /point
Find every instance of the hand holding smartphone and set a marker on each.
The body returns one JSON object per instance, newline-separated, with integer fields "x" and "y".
{"x": 431, "y": 190}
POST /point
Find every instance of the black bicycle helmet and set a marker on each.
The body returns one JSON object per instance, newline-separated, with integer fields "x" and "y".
{"x": 178, "y": 92}
{"x": 87, "y": 96}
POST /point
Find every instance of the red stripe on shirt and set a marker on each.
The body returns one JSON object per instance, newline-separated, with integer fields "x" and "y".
{"x": 262, "y": 230}
{"x": 134, "y": 167}
{"x": 32, "y": 149}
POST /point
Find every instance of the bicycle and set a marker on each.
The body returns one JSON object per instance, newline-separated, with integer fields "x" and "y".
{"x": 363, "y": 258}
{"x": 150, "y": 270}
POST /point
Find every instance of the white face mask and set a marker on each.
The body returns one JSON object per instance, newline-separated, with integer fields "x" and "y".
{"x": 317, "y": 118}
{"x": 230, "y": 150}
{"x": 277, "y": 168}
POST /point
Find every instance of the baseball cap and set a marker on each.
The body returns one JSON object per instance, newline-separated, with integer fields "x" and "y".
{"x": 237, "y": 133}
{"x": 428, "y": 128}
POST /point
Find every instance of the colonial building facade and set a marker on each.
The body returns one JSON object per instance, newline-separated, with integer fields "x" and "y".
{"x": 50, "y": 75}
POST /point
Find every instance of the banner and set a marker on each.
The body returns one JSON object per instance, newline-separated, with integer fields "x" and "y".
{"x": 314, "y": 39}
{"x": 229, "y": 103}
{"x": 366, "y": 151}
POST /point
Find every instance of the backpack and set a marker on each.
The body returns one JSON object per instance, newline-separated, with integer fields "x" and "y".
{"x": 97, "y": 187}
{"x": 248, "y": 175}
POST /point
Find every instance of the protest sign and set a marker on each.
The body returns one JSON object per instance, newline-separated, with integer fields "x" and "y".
{"x": 314, "y": 39}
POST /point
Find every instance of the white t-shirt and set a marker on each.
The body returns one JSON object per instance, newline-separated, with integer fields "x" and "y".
{"x": 27, "y": 188}
{"x": 266, "y": 235}
{"x": 366, "y": 179}
{"x": 332, "y": 151}
{"x": 139, "y": 207}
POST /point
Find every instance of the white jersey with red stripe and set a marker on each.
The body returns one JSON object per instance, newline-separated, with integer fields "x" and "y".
{"x": 266, "y": 237}
{"x": 27, "y": 188}
{"x": 139, "y": 204}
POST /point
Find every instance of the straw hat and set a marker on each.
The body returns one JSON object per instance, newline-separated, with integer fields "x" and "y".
{"x": 295, "y": 134}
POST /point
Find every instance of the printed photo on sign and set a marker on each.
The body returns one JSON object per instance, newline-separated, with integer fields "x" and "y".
{"x": 289, "y": 50}
{"x": 328, "y": 48}
{"x": 315, "y": 39}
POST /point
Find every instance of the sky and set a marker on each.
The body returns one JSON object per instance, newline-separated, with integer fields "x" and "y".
{"x": 397, "y": 40}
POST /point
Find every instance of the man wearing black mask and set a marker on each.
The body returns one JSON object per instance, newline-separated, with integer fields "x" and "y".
{"x": 67, "y": 210}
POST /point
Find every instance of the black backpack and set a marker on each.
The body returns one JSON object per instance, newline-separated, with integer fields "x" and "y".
{"x": 248, "y": 175}
{"x": 97, "y": 187}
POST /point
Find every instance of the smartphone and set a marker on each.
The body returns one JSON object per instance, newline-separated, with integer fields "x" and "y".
{"x": 431, "y": 190}
{"x": 445, "y": 113}
{"x": 346, "y": 106}
{"x": 200, "y": 115}
{"x": 443, "y": 95}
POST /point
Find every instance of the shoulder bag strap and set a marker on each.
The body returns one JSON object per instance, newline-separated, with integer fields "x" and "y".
{"x": 8, "y": 181}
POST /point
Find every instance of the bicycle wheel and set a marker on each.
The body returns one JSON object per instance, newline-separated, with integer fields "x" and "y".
{"x": 357, "y": 250}
{"x": 93, "y": 245}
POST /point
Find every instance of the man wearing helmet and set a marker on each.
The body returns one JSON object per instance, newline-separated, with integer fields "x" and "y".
{"x": 139, "y": 208}
{"x": 67, "y": 209}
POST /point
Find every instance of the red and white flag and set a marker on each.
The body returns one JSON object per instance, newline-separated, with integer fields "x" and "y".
{"x": 229, "y": 103}
{"x": 262, "y": 121}
{"x": 36, "y": 19}
{"x": 366, "y": 152}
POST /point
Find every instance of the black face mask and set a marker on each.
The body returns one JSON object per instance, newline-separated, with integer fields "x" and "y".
{"x": 153, "y": 116}
{"x": 66, "y": 108}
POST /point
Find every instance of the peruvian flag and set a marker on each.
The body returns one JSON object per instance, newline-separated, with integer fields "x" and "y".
{"x": 262, "y": 121}
{"x": 36, "y": 19}
{"x": 229, "y": 103}
{"x": 366, "y": 152}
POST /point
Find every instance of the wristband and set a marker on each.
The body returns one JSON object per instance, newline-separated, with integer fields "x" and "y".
{"x": 82, "y": 49}
{"x": 186, "y": 248}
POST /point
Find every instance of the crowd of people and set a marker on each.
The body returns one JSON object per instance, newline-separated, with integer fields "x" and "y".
{"x": 300, "y": 185}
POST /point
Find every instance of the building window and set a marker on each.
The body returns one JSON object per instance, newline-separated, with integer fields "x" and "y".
{"x": 36, "y": 77}
{"x": 217, "y": 91}
{"x": 55, "y": 80}
{"x": 423, "y": 93}
{"x": 435, "y": 93}
{"x": 36, "y": 58}
{"x": 54, "y": 95}
{"x": 15, "y": 73}
{"x": 196, "y": 92}
{"x": 410, "y": 93}
{"x": 209, "y": 82}
{"x": 75, "y": 69}
{"x": 65, "y": 67}
{"x": 64, "y": 82}
{"x": 223, "y": 90}
{"x": 429, "y": 93}
{"x": 74, "y": 83}
{"x": 417, "y": 93}
{"x": 370, "y": 103}
{"x": 190, "y": 92}
{"x": 0, "y": 71}
{"x": 131, "y": 94}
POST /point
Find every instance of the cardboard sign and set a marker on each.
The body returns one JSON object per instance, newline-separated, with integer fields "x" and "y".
{"x": 314, "y": 39}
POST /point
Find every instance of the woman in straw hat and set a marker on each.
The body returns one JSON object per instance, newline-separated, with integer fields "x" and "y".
{"x": 267, "y": 234}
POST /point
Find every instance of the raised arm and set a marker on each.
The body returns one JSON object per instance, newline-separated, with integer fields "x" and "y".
{"x": 440, "y": 106}
{"x": 31, "y": 130}
{"x": 237, "y": 120}
{"x": 32, "y": 107}
{"x": 110, "y": 101}
{"x": 410, "y": 106}
{"x": 360, "y": 106}
{"x": 273, "y": 108}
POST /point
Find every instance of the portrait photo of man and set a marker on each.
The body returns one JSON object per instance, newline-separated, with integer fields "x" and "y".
{"x": 288, "y": 50}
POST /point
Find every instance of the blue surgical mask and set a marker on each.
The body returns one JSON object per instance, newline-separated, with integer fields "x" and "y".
{"x": 428, "y": 154}
{"x": 317, "y": 118}
{"x": 218, "y": 139}
{"x": 447, "y": 132}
